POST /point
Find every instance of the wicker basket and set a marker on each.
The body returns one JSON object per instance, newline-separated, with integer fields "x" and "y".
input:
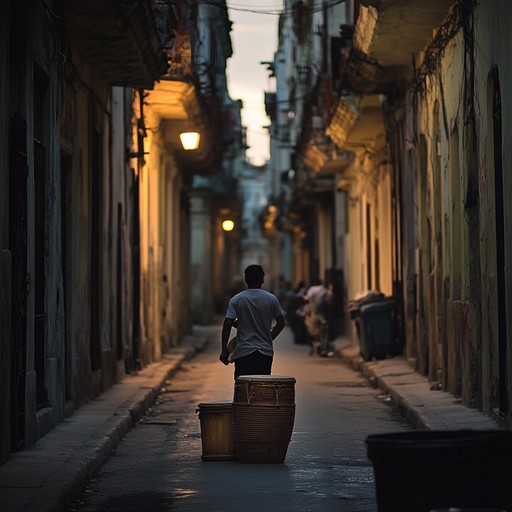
{"x": 263, "y": 418}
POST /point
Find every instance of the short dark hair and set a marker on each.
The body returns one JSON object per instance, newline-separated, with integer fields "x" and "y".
{"x": 254, "y": 275}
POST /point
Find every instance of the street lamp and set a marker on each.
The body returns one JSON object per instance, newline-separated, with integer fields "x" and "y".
{"x": 228, "y": 225}
{"x": 190, "y": 140}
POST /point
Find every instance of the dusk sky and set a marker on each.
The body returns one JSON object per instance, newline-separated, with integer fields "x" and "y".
{"x": 254, "y": 39}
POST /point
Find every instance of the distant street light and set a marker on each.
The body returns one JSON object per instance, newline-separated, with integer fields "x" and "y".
{"x": 190, "y": 140}
{"x": 228, "y": 225}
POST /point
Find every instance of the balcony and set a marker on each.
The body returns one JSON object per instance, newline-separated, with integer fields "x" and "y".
{"x": 386, "y": 38}
{"x": 397, "y": 29}
{"x": 118, "y": 39}
{"x": 178, "y": 106}
{"x": 357, "y": 123}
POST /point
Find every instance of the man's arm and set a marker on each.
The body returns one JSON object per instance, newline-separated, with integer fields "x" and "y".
{"x": 226, "y": 331}
{"x": 274, "y": 333}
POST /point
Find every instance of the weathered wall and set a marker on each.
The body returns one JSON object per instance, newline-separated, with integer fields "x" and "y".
{"x": 5, "y": 254}
{"x": 456, "y": 275}
{"x": 492, "y": 31}
{"x": 202, "y": 264}
{"x": 73, "y": 102}
{"x": 165, "y": 252}
{"x": 368, "y": 251}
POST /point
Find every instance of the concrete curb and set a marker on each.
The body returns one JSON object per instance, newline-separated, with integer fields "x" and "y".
{"x": 53, "y": 473}
{"x": 425, "y": 407}
{"x": 125, "y": 418}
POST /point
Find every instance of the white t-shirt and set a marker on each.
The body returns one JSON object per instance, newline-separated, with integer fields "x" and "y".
{"x": 255, "y": 309}
{"x": 315, "y": 296}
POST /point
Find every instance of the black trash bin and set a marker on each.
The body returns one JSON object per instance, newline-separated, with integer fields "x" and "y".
{"x": 362, "y": 298}
{"x": 420, "y": 471}
{"x": 355, "y": 305}
{"x": 372, "y": 312}
{"x": 376, "y": 329}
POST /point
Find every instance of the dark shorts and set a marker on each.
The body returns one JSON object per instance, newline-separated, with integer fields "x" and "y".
{"x": 253, "y": 364}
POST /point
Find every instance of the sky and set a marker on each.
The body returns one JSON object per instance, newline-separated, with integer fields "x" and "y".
{"x": 254, "y": 40}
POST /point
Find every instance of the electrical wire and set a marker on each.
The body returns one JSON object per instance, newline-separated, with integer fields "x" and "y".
{"x": 249, "y": 6}
{"x": 275, "y": 12}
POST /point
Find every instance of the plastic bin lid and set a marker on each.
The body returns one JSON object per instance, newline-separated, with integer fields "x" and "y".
{"x": 381, "y": 305}
{"x": 367, "y": 296}
{"x": 431, "y": 440}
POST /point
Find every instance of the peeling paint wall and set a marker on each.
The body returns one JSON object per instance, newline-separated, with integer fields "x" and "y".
{"x": 460, "y": 291}
{"x": 77, "y": 304}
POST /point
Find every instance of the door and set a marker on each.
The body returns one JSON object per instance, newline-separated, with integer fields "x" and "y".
{"x": 20, "y": 281}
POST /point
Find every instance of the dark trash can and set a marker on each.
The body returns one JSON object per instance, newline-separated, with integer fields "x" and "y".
{"x": 376, "y": 328}
{"x": 373, "y": 314}
{"x": 452, "y": 509}
{"x": 362, "y": 298}
{"x": 421, "y": 471}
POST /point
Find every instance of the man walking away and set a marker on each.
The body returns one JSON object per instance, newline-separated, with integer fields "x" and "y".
{"x": 254, "y": 310}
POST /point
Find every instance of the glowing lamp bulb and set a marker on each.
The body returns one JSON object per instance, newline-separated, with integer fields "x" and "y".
{"x": 228, "y": 225}
{"x": 190, "y": 140}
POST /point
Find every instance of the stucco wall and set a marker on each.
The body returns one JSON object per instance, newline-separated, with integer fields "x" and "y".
{"x": 455, "y": 198}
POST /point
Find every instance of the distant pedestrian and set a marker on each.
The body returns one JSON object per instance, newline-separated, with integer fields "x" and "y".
{"x": 315, "y": 296}
{"x": 295, "y": 314}
{"x": 252, "y": 311}
{"x": 318, "y": 299}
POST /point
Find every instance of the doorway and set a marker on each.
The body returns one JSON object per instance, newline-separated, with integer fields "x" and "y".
{"x": 18, "y": 248}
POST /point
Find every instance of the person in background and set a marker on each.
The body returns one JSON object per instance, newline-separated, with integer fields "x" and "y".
{"x": 315, "y": 317}
{"x": 315, "y": 296}
{"x": 295, "y": 314}
{"x": 254, "y": 311}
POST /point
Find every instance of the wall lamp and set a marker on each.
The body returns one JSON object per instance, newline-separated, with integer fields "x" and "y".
{"x": 190, "y": 140}
{"x": 228, "y": 225}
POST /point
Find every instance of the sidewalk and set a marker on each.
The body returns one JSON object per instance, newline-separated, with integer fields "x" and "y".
{"x": 424, "y": 407}
{"x": 49, "y": 476}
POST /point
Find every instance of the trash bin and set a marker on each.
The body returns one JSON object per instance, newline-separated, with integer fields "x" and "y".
{"x": 216, "y": 431}
{"x": 420, "y": 471}
{"x": 376, "y": 328}
{"x": 362, "y": 298}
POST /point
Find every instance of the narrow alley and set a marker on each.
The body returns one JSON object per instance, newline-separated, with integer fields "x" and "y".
{"x": 158, "y": 466}
{"x": 354, "y": 153}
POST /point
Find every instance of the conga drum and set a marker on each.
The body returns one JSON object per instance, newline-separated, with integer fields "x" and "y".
{"x": 216, "y": 431}
{"x": 263, "y": 417}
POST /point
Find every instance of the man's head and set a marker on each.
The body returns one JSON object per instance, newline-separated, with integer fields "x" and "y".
{"x": 254, "y": 275}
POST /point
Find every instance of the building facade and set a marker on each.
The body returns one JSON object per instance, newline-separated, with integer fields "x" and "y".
{"x": 416, "y": 111}
{"x": 95, "y": 215}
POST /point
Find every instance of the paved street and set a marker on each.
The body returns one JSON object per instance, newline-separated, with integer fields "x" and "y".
{"x": 158, "y": 466}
